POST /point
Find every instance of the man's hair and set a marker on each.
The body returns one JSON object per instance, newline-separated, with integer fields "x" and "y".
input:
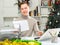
{"x": 24, "y": 2}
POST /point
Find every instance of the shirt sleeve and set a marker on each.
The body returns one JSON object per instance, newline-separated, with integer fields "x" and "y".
{"x": 36, "y": 29}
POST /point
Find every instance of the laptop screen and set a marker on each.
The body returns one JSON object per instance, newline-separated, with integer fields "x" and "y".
{"x": 47, "y": 35}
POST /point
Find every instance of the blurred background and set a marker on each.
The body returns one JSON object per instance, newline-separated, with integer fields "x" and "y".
{"x": 41, "y": 10}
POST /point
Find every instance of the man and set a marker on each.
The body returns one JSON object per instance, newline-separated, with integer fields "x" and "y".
{"x": 33, "y": 27}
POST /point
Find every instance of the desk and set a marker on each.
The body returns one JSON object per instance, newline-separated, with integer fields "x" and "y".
{"x": 45, "y": 42}
{"x": 48, "y": 42}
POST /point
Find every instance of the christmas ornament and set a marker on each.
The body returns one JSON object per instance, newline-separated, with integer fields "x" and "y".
{"x": 58, "y": 13}
{"x": 49, "y": 22}
{"x": 56, "y": 21}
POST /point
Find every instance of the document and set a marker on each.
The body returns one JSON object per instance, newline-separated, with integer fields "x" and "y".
{"x": 23, "y": 25}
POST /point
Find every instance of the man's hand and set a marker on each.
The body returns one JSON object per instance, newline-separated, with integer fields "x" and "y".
{"x": 40, "y": 33}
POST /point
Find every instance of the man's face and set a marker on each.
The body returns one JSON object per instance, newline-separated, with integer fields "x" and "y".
{"x": 24, "y": 9}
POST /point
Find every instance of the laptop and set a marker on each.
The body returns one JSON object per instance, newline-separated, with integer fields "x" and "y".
{"x": 47, "y": 35}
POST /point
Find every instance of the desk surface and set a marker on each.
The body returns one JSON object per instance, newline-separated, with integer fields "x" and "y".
{"x": 48, "y": 42}
{"x": 45, "y": 42}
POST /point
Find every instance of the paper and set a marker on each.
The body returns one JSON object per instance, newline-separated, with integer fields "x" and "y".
{"x": 23, "y": 25}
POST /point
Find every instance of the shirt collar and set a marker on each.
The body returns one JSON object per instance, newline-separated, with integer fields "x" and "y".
{"x": 25, "y": 17}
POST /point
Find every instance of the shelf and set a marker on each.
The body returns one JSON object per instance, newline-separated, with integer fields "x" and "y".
{"x": 35, "y": 16}
{"x": 44, "y": 16}
{"x": 46, "y": 6}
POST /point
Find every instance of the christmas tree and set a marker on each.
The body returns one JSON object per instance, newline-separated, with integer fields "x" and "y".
{"x": 54, "y": 16}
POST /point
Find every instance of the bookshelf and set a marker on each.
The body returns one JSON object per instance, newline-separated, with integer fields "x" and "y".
{"x": 45, "y": 8}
